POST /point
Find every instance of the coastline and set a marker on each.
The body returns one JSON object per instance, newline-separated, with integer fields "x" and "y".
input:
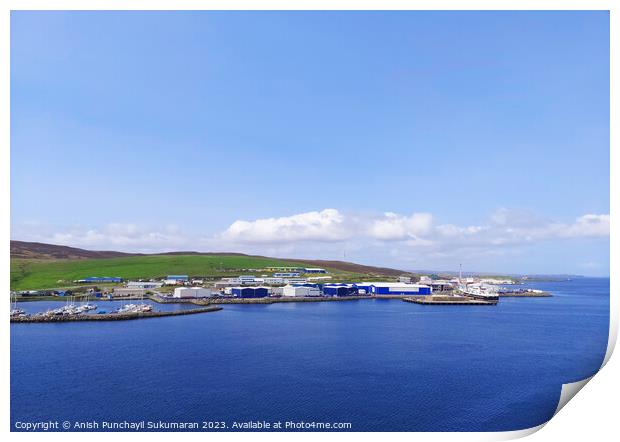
{"x": 110, "y": 316}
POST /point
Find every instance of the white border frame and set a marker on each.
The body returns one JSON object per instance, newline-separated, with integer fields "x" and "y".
{"x": 595, "y": 406}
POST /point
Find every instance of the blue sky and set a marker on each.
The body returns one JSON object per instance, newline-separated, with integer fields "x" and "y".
{"x": 410, "y": 139}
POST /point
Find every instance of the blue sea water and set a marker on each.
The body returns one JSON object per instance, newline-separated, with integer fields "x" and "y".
{"x": 381, "y": 365}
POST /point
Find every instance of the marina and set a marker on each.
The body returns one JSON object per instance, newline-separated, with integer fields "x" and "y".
{"x": 127, "y": 314}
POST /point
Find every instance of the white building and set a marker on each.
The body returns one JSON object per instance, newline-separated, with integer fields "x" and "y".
{"x": 129, "y": 291}
{"x": 300, "y": 291}
{"x": 295, "y": 281}
{"x": 191, "y": 292}
{"x": 276, "y": 291}
{"x": 318, "y": 278}
{"x": 144, "y": 284}
{"x": 247, "y": 279}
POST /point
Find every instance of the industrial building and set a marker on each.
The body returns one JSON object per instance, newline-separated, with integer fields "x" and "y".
{"x": 247, "y": 279}
{"x": 92, "y": 279}
{"x": 340, "y": 289}
{"x": 396, "y": 288}
{"x": 144, "y": 284}
{"x": 283, "y": 269}
{"x": 224, "y": 283}
{"x": 191, "y": 292}
{"x": 318, "y": 278}
{"x": 314, "y": 270}
{"x": 249, "y": 292}
{"x": 129, "y": 291}
{"x": 295, "y": 281}
{"x": 301, "y": 291}
{"x": 176, "y": 279}
{"x": 271, "y": 281}
{"x": 287, "y": 275}
{"x": 276, "y": 291}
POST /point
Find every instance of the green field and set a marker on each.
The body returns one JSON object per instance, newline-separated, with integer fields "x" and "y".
{"x": 47, "y": 274}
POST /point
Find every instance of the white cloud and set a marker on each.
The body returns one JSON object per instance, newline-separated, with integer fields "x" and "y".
{"x": 588, "y": 225}
{"x": 326, "y": 225}
{"x": 113, "y": 236}
{"x": 505, "y": 227}
{"x": 397, "y": 227}
{"x": 332, "y": 234}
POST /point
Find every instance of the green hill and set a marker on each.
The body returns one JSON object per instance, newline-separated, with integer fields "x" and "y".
{"x": 28, "y": 274}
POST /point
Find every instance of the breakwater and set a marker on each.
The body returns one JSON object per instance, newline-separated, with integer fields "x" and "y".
{"x": 110, "y": 316}
{"x": 524, "y": 294}
{"x": 448, "y": 300}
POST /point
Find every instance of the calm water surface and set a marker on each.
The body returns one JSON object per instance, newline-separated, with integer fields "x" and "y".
{"x": 382, "y": 365}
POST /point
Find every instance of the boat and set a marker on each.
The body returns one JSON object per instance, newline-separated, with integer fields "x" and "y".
{"x": 16, "y": 311}
{"x": 127, "y": 308}
{"x": 484, "y": 292}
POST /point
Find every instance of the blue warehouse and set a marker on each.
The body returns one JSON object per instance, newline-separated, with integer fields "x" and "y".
{"x": 101, "y": 279}
{"x": 250, "y": 292}
{"x": 339, "y": 290}
{"x": 396, "y": 288}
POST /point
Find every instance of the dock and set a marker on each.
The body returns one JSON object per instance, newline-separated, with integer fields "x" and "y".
{"x": 448, "y": 300}
{"x": 538, "y": 294}
{"x": 110, "y": 316}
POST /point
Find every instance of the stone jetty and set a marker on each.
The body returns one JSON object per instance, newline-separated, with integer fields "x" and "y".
{"x": 110, "y": 316}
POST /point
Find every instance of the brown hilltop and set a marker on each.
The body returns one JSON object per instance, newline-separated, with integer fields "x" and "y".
{"x": 37, "y": 250}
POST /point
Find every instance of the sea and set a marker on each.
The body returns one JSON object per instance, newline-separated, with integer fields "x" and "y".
{"x": 364, "y": 365}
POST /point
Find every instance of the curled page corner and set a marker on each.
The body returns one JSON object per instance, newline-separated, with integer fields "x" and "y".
{"x": 569, "y": 391}
{"x": 515, "y": 434}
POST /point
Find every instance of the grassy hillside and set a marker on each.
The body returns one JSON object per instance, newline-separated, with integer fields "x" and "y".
{"x": 39, "y": 274}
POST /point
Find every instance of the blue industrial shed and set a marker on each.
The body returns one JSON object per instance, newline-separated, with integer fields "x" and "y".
{"x": 250, "y": 292}
{"x": 366, "y": 288}
{"x": 339, "y": 290}
{"x": 102, "y": 279}
{"x": 178, "y": 277}
{"x": 400, "y": 289}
